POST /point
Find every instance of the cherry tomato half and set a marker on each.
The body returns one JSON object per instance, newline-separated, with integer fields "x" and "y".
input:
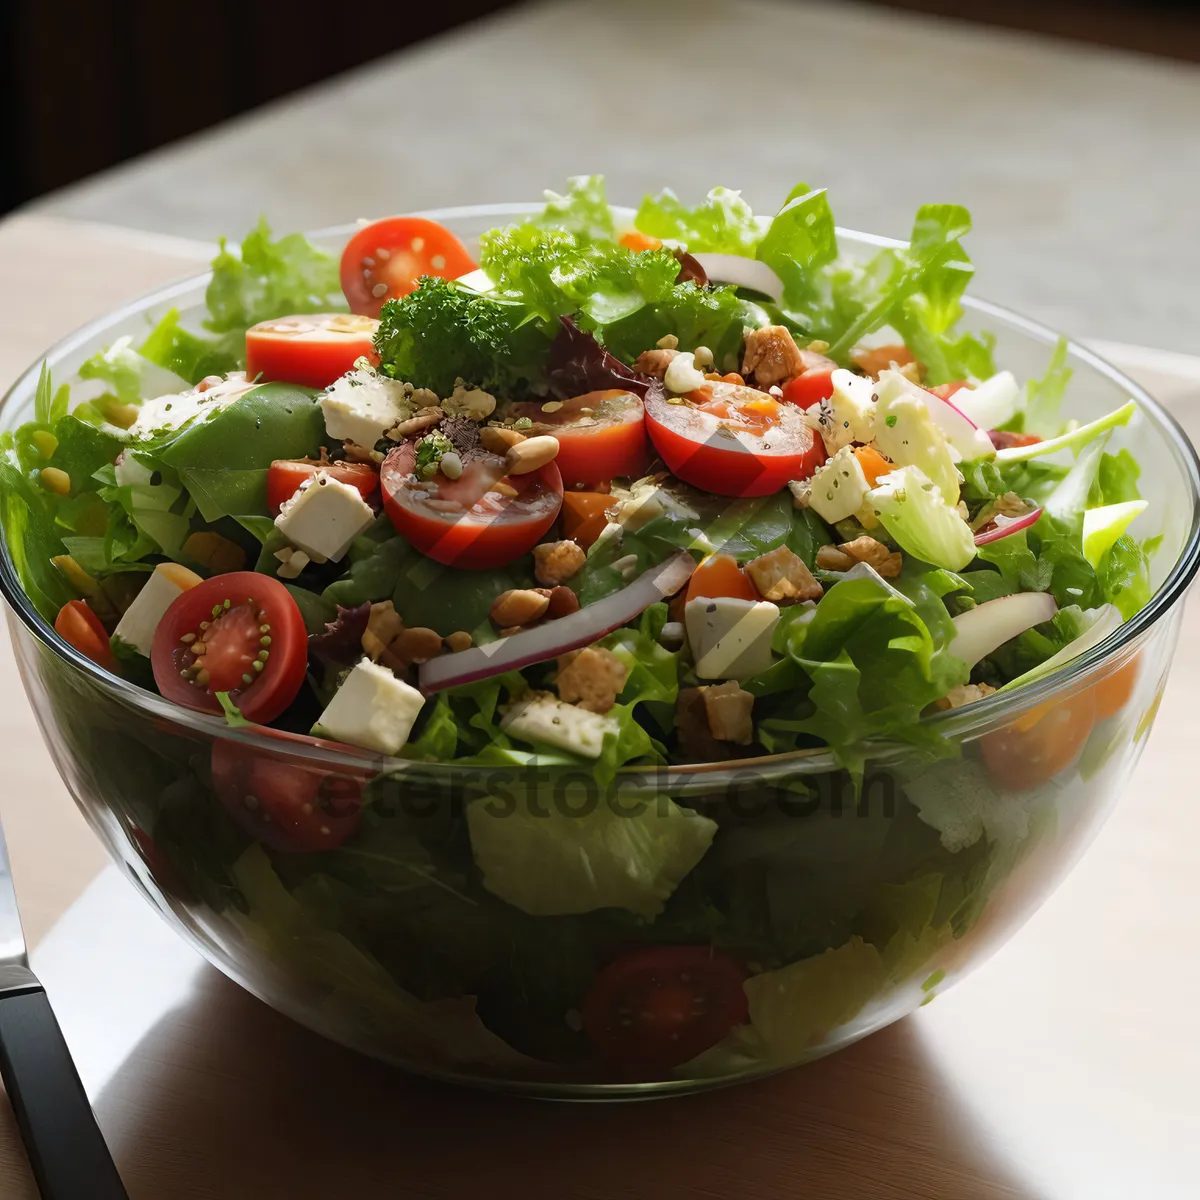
{"x": 1040, "y": 743}
{"x": 385, "y": 259}
{"x": 311, "y": 350}
{"x": 733, "y": 440}
{"x": 288, "y": 802}
{"x": 484, "y": 518}
{"x": 78, "y": 626}
{"x": 601, "y": 435}
{"x": 287, "y": 474}
{"x": 719, "y": 575}
{"x": 660, "y": 1006}
{"x": 212, "y": 637}
{"x": 813, "y": 384}
{"x": 1113, "y": 690}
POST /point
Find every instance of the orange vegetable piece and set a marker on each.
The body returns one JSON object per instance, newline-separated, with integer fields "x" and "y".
{"x": 1113, "y": 691}
{"x": 633, "y": 240}
{"x": 719, "y": 575}
{"x": 78, "y": 626}
{"x": 873, "y": 463}
{"x": 1040, "y": 743}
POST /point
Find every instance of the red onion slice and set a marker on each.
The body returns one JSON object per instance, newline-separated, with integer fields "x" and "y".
{"x": 960, "y": 431}
{"x": 984, "y": 628}
{"x": 745, "y": 272}
{"x": 1000, "y": 526}
{"x": 548, "y": 641}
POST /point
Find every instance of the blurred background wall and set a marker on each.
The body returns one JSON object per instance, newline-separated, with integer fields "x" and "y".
{"x": 90, "y": 83}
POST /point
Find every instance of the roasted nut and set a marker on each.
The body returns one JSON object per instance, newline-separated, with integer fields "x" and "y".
{"x": 655, "y": 362}
{"x": 563, "y": 602}
{"x": 591, "y": 678}
{"x": 782, "y": 576}
{"x": 728, "y": 709}
{"x": 416, "y": 645}
{"x": 830, "y": 558}
{"x": 519, "y": 606}
{"x": 772, "y": 355}
{"x": 427, "y": 418}
{"x": 385, "y": 622}
{"x": 531, "y": 454}
{"x": 501, "y": 488}
{"x": 555, "y": 562}
{"x": 875, "y": 554}
{"x": 459, "y": 641}
{"x": 965, "y": 693}
{"x": 497, "y": 439}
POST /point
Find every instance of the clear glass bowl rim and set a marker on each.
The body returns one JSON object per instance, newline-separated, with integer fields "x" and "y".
{"x": 979, "y": 718}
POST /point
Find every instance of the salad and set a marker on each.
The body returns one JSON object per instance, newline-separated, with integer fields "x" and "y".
{"x": 605, "y": 494}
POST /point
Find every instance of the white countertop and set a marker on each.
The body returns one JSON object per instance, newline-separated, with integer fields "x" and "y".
{"x": 1081, "y": 165}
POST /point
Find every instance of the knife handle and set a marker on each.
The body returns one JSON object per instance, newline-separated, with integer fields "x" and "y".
{"x": 66, "y": 1149}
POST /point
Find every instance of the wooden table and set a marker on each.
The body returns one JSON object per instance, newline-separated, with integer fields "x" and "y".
{"x": 1064, "y": 1069}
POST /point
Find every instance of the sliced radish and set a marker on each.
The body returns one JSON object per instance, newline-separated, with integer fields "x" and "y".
{"x": 1108, "y": 620}
{"x": 745, "y": 272}
{"x": 1000, "y": 526}
{"x": 982, "y": 629}
{"x": 964, "y": 436}
{"x": 544, "y": 642}
{"x": 993, "y": 403}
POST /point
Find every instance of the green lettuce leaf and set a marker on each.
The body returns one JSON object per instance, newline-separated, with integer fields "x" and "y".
{"x": 583, "y": 211}
{"x": 1044, "y": 396}
{"x": 579, "y": 852}
{"x": 721, "y": 223}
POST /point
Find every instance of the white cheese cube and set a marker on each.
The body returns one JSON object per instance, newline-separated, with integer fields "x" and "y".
{"x": 730, "y": 638}
{"x": 324, "y": 517}
{"x": 839, "y": 488}
{"x": 362, "y": 406}
{"x": 166, "y": 584}
{"x": 848, "y": 415}
{"x": 372, "y": 709}
{"x": 541, "y": 717}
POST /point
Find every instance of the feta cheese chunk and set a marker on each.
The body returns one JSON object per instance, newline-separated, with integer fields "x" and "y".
{"x": 838, "y": 489}
{"x": 372, "y": 709}
{"x": 166, "y": 584}
{"x": 541, "y": 717}
{"x": 730, "y": 638}
{"x": 324, "y": 517}
{"x": 848, "y": 415}
{"x": 362, "y": 406}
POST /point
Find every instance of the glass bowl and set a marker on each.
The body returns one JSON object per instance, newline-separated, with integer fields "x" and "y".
{"x": 845, "y": 911}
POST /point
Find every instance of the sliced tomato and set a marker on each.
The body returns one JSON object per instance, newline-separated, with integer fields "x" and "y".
{"x": 484, "y": 518}
{"x": 287, "y": 474}
{"x": 873, "y": 463}
{"x": 287, "y": 801}
{"x": 733, "y": 440}
{"x": 601, "y": 435}
{"x": 947, "y": 390}
{"x": 583, "y": 515}
{"x": 660, "y": 1006}
{"x": 385, "y": 259}
{"x": 719, "y": 575}
{"x": 312, "y": 350}
{"x": 212, "y": 637}
{"x": 78, "y": 626}
{"x": 1040, "y": 743}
